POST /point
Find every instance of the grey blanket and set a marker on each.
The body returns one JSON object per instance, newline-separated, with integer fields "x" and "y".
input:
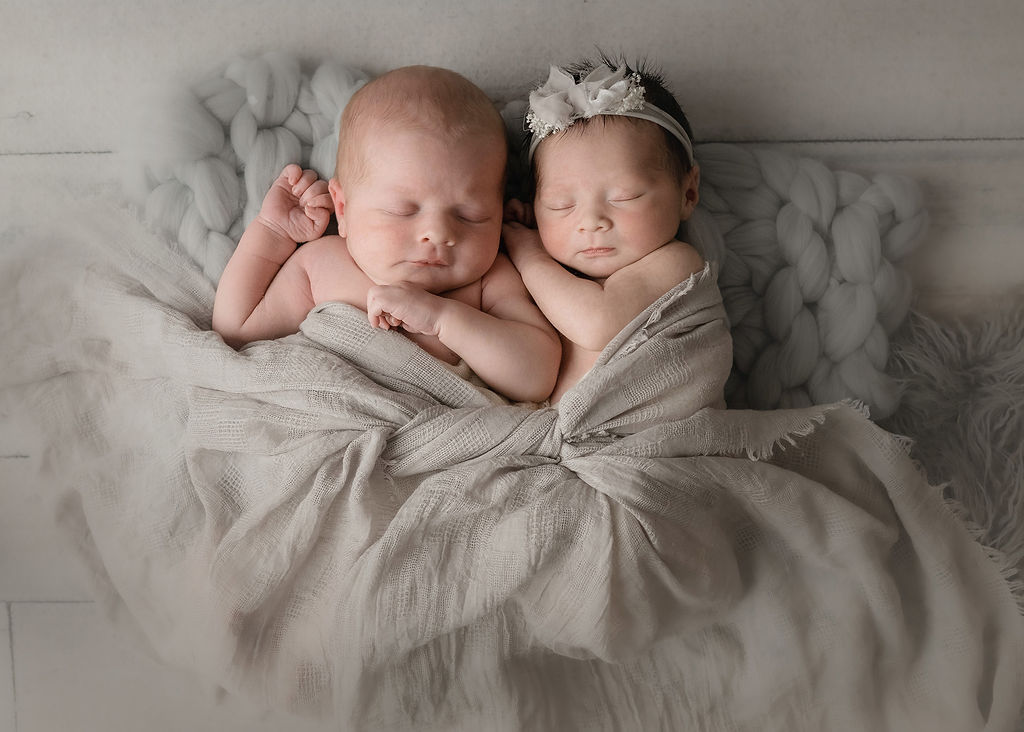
{"x": 338, "y": 524}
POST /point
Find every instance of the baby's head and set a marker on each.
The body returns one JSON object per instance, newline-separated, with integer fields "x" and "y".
{"x": 419, "y": 180}
{"x": 612, "y": 158}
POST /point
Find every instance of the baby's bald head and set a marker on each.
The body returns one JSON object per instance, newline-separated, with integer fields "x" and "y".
{"x": 420, "y": 97}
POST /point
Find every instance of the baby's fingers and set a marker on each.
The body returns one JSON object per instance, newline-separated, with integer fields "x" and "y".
{"x": 290, "y": 175}
{"x": 319, "y": 216}
{"x": 513, "y": 210}
{"x": 375, "y": 313}
{"x": 317, "y": 195}
{"x": 303, "y": 183}
{"x": 518, "y": 212}
{"x": 512, "y": 231}
{"x": 528, "y": 218}
{"x": 376, "y": 319}
{"x": 385, "y": 321}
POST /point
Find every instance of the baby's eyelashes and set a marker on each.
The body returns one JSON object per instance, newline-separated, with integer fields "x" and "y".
{"x": 470, "y": 217}
{"x": 559, "y": 205}
{"x": 474, "y": 219}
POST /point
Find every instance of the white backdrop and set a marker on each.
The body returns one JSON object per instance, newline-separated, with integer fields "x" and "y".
{"x": 764, "y": 70}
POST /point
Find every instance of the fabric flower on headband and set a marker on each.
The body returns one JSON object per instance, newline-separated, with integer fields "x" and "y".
{"x": 562, "y": 100}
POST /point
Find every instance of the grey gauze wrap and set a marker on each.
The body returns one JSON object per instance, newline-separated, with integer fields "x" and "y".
{"x": 335, "y": 523}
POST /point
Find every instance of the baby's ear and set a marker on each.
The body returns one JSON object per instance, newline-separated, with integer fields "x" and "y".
{"x": 338, "y": 198}
{"x": 691, "y": 192}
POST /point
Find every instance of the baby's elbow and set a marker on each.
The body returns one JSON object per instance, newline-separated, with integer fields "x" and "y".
{"x": 229, "y": 336}
{"x": 229, "y": 332}
{"x": 543, "y": 375}
{"x": 544, "y": 387}
{"x": 594, "y": 339}
{"x": 553, "y": 366}
{"x": 233, "y": 341}
{"x": 528, "y": 394}
{"x": 537, "y": 389}
{"x": 591, "y": 342}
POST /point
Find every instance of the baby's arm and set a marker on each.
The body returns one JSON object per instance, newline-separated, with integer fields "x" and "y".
{"x": 587, "y": 312}
{"x": 507, "y": 342}
{"x": 257, "y": 297}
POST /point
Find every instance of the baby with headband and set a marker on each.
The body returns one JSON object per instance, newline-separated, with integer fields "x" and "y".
{"x": 417, "y": 194}
{"x": 614, "y": 177}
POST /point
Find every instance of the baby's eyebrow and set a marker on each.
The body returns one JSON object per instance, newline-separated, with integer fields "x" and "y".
{"x": 404, "y": 193}
{"x": 554, "y": 190}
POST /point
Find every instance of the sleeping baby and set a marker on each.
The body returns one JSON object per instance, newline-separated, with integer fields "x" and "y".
{"x": 417, "y": 193}
{"x": 614, "y": 177}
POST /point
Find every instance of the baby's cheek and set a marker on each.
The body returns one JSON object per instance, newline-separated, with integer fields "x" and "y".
{"x": 488, "y": 242}
{"x": 548, "y": 233}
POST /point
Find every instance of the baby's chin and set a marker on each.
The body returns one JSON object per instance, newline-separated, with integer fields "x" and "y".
{"x": 437, "y": 283}
{"x": 597, "y": 269}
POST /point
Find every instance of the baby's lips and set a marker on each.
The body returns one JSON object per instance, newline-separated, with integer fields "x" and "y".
{"x": 430, "y": 262}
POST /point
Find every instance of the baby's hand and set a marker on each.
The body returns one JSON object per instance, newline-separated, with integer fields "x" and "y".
{"x": 520, "y": 213}
{"x": 298, "y": 206}
{"x": 406, "y": 307}
{"x": 522, "y": 243}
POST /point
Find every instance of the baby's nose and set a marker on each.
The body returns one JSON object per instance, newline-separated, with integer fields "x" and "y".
{"x": 439, "y": 240}
{"x": 438, "y": 230}
{"x": 593, "y": 219}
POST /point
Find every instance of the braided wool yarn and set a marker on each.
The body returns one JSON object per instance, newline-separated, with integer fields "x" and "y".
{"x": 807, "y": 255}
{"x": 216, "y": 151}
{"x": 810, "y": 275}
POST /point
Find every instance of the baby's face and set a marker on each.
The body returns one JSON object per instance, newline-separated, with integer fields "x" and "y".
{"x": 605, "y": 196}
{"x": 427, "y": 210}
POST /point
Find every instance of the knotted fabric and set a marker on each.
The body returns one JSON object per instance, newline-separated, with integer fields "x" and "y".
{"x": 336, "y": 524}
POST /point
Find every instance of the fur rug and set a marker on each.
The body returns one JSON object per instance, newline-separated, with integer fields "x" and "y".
{"x": 963, "y": 406}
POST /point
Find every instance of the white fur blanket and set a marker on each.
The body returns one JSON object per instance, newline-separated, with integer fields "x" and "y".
{"x": 336, "y": 523}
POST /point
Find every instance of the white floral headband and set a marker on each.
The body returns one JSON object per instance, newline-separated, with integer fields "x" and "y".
{"x": 562, "y": 100}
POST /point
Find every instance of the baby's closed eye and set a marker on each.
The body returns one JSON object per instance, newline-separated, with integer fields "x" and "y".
{"x": 401, "y": 211}
{"x": 474, "y": 217}
{"x": 625, "y": 196}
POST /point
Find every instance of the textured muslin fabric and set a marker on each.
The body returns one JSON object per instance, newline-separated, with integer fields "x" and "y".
{"x": 335, "y": 523}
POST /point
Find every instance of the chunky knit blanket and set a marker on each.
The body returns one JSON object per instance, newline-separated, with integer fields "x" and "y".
{"x": 335, "y": 523}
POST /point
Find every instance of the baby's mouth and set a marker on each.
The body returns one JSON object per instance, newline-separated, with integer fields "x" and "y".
{"x": 429, "y": 263}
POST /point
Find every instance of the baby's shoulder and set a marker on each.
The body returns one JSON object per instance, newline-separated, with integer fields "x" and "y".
{"x": 501, "y": 285}
{"x": 322, "y": 251}
{"x": 501, "y": 269}
{"x": 502, "y": 275}
{"x": 685, "y": 254}
{"x": 331, "y": 271}
{"x": 675, "y": 259}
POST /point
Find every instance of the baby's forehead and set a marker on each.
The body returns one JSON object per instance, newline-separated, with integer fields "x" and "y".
{"x": 376, "y": 124}
{"x": 403, "y": 156}
{"x": 642, "y": 139}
